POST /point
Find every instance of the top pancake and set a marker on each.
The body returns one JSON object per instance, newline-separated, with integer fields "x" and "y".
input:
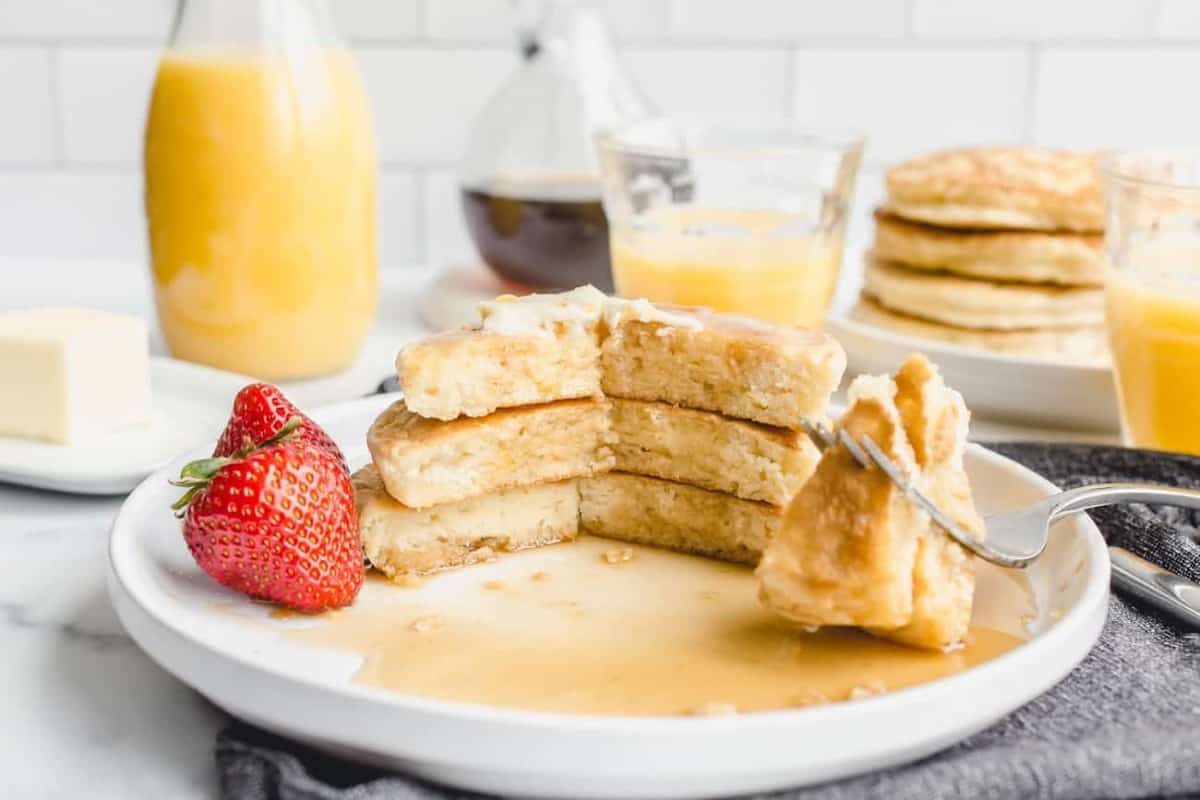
{"x": 691, "y": 357}
{"x": 999, "y": 188}
{"x": 739, "y": 367}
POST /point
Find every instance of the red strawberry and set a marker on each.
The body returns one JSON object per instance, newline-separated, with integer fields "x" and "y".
{"x": 259, "y": 412}
{"x": 278, "y": 524}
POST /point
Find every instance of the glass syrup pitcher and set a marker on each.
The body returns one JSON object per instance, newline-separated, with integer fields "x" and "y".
{"x": 530, "y": 179}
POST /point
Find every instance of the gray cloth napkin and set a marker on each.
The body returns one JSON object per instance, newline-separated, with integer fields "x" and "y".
{"x": 1124, "y": 724}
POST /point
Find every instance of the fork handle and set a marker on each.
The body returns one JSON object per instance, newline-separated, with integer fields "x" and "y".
{"x": 1108, "y": 494}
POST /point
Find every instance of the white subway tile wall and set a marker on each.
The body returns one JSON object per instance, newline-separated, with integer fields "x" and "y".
{"x": 75, "y": 76}
{"x": 1106, "y": 98}
{"x": 104, "y": 93}
{"x": 919, "y": 99}
{"x": 85, "y": 20}
{"x": 785, "y": 20}
{"x": 29, "y": 133}
{"x": 1035, "y": 20}
{"x": 423, "y": 99}
{"x": 494, "y": 21}
{"x": 398, "y": 200}
{"x": 690, "y": 80}
{"x": 446, "y": 239}
{"x": 71, "y": 215}
{"x": 1179, "y": 19}
{"x": 367, "y": 20}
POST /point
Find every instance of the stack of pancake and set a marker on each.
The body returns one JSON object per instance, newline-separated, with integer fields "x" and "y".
{"x": 992, "y": 248}
{"x": 562, "y": 414}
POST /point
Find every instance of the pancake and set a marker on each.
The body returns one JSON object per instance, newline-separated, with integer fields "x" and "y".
{"x": 999, "y": 187}
{"x": 714, "y": 452}
{"x": 1085, "y": 346}
{"x": 853, "y": 550}
{"x": 675, "y": 516}
{"x": 1069, "y": 259}
{"x": 736, "y": 366}
{"x": 978, "y": 304}
{"x": 425, "y": 462}
{"x": 935, "y": 421}
{"x": 399, "y": 540}
{"x": 543, "y": 348}
{"x": 848, "y": 545}
{"x": 524, "y": 350}
{"x": 473, "y": 373}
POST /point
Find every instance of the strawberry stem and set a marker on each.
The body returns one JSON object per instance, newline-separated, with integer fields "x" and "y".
{"x": 196, "y": 475}
{"x": 283, "y": 433}
{"x": 182, "y": 503}
{"x": 202, "y": 469}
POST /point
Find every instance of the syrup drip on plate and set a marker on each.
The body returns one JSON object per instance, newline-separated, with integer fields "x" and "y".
{"x": 562, "y": 629}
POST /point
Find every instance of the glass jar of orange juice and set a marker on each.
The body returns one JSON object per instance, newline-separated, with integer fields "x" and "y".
{"x": 741, "y": 216}
{"x": 260, "y": 190}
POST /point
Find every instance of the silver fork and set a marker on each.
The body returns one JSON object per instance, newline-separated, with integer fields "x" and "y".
{"x": 1014, "y": 538}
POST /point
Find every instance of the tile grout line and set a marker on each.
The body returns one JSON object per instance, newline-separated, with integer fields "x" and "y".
{"x": 663, "y": 41}
{"x": 67, "y": 167}
{"x": 1158, "y": 10}
{"x": 662, "y": 21}
{"x": 422, "y": 33}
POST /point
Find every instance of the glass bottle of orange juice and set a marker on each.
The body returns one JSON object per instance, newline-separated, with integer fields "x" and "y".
{"x": 260, "y": 190}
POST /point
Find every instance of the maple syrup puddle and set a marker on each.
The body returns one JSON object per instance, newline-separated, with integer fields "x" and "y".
{"x": 562, "y": 629}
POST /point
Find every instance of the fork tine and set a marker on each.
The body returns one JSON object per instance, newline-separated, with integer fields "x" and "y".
{"x": 917, "y": 496}
{"x": 853, "y": 447}
{"x": 821, "y": 436}
{"x": 866, "y": 453}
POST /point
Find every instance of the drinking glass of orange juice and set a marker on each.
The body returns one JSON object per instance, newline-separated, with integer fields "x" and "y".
{"x": 741, "y": 217}
{"x": 1152, "y": 288}
{"x": 260, "y": 190}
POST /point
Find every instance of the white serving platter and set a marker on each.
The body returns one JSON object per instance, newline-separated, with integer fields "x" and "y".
{"x": 1061, "y": 397}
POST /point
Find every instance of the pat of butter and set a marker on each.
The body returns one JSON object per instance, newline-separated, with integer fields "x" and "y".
{"x": 577, "y": 311}
{"x": 68, "y": 375}
{"x": 542, "y": 314}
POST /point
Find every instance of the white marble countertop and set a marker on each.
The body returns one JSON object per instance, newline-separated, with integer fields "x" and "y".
{"x": 86, "y": 714}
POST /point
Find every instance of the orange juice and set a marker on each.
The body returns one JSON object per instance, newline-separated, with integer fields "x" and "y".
{"x": 1154, "y": 328}
{"x": 260, "y": 197}
{"x": 742, "y": 261}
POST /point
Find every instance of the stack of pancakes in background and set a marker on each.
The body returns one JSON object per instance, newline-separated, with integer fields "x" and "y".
{"x": 992, "y": 248}
{"x": 561, "y": 414}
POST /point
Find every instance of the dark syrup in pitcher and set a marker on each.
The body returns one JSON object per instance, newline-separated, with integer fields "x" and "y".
{"x": 544, "y": 233}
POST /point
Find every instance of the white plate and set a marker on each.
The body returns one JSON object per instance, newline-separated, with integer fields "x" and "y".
{"x": 1058, "y": 396}
{"x": 175, "y": 614}
{"x": 190, "y": 406}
